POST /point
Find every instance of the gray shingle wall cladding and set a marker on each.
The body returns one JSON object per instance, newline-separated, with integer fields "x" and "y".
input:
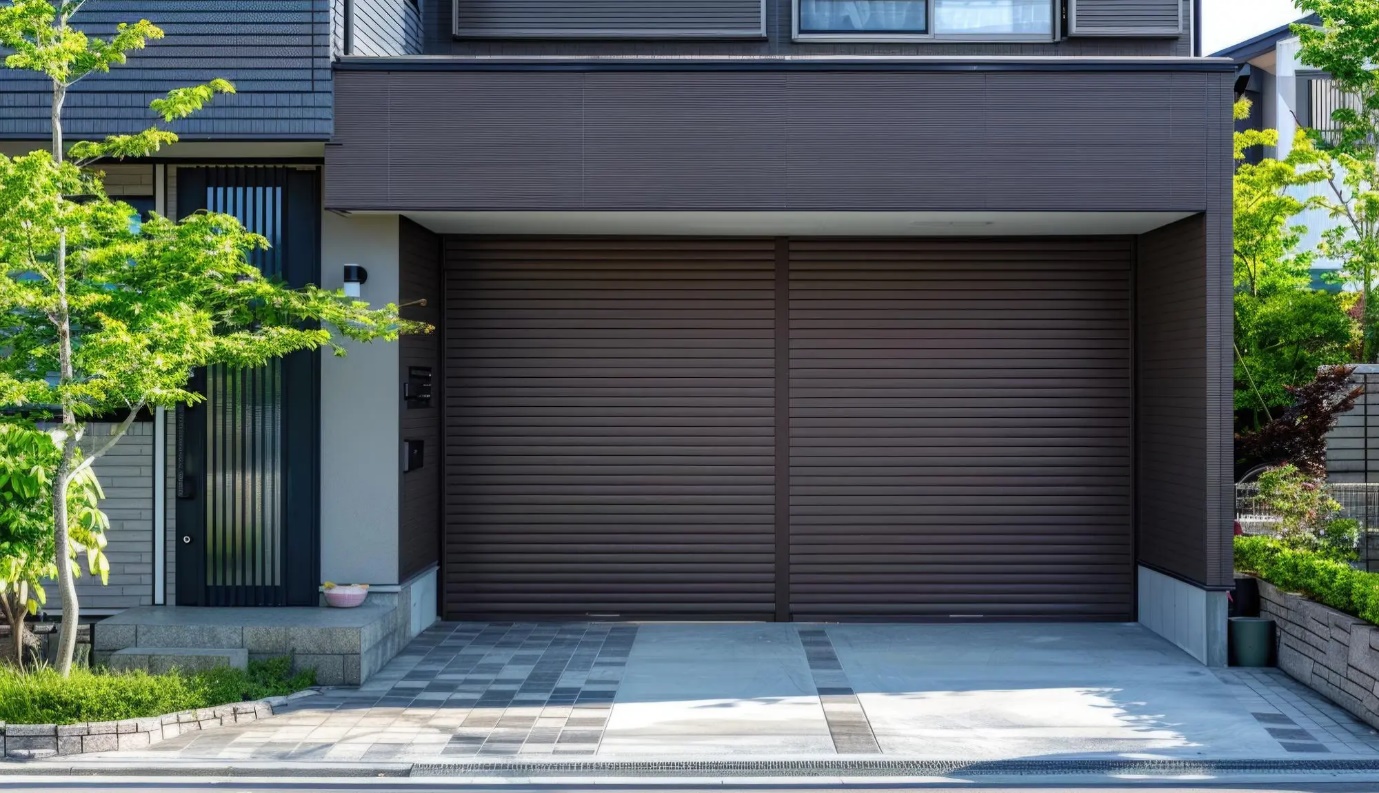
{"x": 277, "y": 52}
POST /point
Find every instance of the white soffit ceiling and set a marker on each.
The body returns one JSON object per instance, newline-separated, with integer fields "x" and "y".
{"x": 820, "y": 224}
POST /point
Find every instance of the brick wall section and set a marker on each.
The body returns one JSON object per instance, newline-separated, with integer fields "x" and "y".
{"x": 1334, "y": 654}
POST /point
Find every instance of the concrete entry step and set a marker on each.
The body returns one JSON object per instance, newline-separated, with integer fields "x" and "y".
{"x": 190, "y": 659}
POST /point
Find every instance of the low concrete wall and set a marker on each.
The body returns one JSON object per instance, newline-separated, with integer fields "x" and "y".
{"x": 1190, "y": 617}
{"x": 1334, "y": 654}
{"x": 36, "y": 741}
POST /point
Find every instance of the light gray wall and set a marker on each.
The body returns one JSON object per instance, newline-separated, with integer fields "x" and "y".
{"x": 360, "y": 402}
{"x": 1352, "y": 448}
{"x": 126, "y": 475}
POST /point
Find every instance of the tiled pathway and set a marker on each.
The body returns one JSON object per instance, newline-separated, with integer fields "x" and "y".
{"x": 1301, "y": 721}
{"x": 537, "y": 690}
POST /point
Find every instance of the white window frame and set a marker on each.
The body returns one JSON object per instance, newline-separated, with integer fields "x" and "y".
{"x": 931, "y": 36}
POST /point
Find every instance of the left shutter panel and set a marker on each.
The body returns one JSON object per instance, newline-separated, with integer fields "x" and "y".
{"x": 609, "y": 428}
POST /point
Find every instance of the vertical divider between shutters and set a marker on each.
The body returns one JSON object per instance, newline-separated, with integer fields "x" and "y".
{"x": 782, "y": 430}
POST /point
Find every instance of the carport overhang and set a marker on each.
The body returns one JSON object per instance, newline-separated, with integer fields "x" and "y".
{"x": 1098, "y": 150}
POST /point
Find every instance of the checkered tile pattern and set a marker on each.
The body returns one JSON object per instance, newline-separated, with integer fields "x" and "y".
{"x": 1301, "y": 721}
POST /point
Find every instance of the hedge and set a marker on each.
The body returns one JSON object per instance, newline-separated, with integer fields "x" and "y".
{"x": 1324, "y": 580}
{"x": 45, "y": 697}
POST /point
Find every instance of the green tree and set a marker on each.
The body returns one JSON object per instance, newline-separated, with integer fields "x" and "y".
{"x": 28, "y": 460}
{"x": 1346, "y": 46}
{"x": 105, "y": 317}
{"x": 1284, "y": 329}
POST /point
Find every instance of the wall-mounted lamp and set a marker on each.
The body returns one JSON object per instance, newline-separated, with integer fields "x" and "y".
{"x": 354, "y": 277}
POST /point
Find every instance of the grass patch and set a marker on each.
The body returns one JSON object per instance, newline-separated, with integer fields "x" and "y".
{"x": 44, "y": 697}
{"x": 1325, "y": 580}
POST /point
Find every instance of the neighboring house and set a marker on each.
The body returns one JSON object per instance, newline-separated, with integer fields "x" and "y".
{"x": 746, "y": 309}
{"x": 1288, "y": 95}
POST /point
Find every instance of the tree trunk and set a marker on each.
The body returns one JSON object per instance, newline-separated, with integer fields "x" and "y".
{"x": 67, "y": 586}
{"x": 15, "y": 605}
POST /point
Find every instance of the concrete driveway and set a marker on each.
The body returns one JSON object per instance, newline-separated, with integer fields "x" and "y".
{"x": 971, "y": 693}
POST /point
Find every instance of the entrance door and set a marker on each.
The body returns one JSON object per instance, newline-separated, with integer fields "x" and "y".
{"x": 247, "y": 467}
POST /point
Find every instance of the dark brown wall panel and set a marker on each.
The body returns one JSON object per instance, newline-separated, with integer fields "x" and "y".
{"x": 420, "y": 512}
{"x": 774, "y": 140}
{"x": 1172, "y": 408}
{"x": 609, "y": 425}
{"x": 960, "y": 428}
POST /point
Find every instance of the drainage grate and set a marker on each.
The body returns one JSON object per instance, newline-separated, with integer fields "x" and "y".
{"x": 896, "y": 768}
{"x": 847, "y": 722}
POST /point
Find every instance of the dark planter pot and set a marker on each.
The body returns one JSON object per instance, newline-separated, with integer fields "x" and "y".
{"x": 1245, "y": 598}
{"x": 1251, "y": 641}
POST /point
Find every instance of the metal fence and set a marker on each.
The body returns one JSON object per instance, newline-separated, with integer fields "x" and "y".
{"x": 1358, "y": 501}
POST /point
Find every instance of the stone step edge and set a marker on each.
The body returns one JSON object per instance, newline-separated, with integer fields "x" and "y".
{"x": 42, "y": 741}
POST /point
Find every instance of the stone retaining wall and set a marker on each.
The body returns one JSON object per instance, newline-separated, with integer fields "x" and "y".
{"x": 33, "y": 741}
{"x": 1332, "y": 653}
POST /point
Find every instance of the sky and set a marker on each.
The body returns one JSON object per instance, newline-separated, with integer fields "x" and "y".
{"x": 1227, "y": 22}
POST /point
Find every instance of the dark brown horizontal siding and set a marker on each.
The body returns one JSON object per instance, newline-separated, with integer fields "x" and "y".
{"x": 1175, "y": 523}
{"x": 609, "y": 428}
{"x": 960, "y": 429}
{"x": 770, "y": 141}
{"x": 419, "y": 535}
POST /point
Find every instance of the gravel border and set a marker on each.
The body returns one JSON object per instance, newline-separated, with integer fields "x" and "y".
{"x": 39, "y": 741}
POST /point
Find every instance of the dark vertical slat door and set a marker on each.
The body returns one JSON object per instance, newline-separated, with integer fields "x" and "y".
{"x": 610, "y": 444}
{"x": 960, "y": 429}
{"x": 244, "y": 500}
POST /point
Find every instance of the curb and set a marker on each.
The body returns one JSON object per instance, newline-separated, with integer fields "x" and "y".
{"x": 690, "y": 769}
{"x": 43, "y": 741}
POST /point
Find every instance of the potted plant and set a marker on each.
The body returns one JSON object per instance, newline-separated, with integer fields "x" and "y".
{"x": 345, "y": 597}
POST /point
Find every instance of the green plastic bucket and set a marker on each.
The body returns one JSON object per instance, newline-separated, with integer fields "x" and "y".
{"x": 1252, "y": 641}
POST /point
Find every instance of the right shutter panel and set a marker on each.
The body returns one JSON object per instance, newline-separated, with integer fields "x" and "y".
{"x": 1125, "y": 18}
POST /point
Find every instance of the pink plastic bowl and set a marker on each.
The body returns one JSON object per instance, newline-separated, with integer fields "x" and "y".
{"x": 345, "y": 597}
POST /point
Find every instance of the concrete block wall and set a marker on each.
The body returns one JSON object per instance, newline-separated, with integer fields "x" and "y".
{"x": 1334, "y": 654}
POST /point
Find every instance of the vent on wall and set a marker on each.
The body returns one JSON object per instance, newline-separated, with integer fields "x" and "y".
{"x": 1142, "y": 18}
{"x": 610, "y": 19}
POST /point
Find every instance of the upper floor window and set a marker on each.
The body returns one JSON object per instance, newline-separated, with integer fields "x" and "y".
{"x": 1025, "y": 20}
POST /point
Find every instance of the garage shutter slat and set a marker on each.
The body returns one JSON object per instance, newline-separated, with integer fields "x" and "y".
{"x": 956, "y": 351}
{"x": 610, "y": 428}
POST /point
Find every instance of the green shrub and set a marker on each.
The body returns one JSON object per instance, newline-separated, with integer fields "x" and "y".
{"x": 45, "y": 697}
{"x": 1325, "y": 580}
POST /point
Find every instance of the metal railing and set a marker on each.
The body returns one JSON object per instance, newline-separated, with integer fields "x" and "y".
{"x": 1358, "y": 501}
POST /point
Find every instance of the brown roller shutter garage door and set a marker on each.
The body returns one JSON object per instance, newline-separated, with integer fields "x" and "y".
{"x": 960, "y": 429}
{"x": 956, "y": 441}
{"x": 610, "y": 445}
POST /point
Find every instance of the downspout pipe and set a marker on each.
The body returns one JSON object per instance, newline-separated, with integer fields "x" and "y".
{"x": 347, "y": 11}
